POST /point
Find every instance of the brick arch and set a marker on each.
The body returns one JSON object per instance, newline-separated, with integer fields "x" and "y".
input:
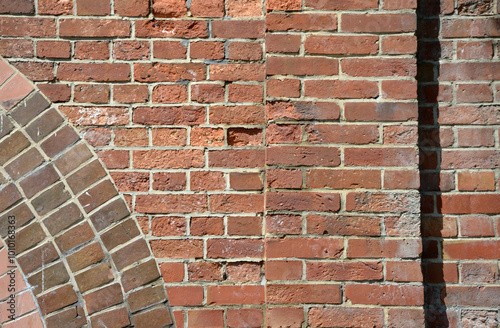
{"x": 77, "y": 245}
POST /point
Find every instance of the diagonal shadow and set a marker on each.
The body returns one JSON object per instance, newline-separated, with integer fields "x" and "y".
{"x": 432, "y": 185}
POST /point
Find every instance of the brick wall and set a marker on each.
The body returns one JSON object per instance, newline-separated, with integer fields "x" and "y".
{"x": 268, "y": 151}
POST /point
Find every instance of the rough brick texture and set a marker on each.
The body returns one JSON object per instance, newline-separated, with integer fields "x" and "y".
{"x": 287, "y": 163}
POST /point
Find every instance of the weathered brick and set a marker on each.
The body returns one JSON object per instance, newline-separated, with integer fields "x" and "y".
{"x": 93, "y": 28}
{"x": 94, "y": 277}
{"x": 59, "y": 141}
{"x": 57, "y": 299}
{"x": 103, "y": 298}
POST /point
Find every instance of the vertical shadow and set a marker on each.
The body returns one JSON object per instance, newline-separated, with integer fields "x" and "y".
{"x": 429, "y": 53}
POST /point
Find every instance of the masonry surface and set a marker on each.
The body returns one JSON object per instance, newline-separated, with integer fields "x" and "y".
{"x": 240, "y": 163}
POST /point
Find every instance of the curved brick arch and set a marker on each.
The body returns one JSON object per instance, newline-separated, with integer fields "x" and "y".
{"x": 77, "y": 245}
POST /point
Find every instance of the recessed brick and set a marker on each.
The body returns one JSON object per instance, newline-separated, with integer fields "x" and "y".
{"x": 29, "y": 109}
{"x": 103, "y": 298}
{"x": 9, "y": 195}
{"x": 140, "y": 275}
{"x": 97, "y": 195}
{"x": 63, "y": 218}
{"x": 74, "y": 237}
{"x": 38, "y": 257}
{"x": 59, "y": 141}
{"x": 131, "y": 253}
{"x": 57, "y": 299}
{"x": 49, "y": 277}
{"x": 120, "y": 234}
{"x": 109, "y": 214}
{"x": 155, "y": 318}
{"x": 84, "y": 257}
{"x": 12, "y": 145}
{"x": 71, "y": 317}
{"x": 44, "y": 125}
{"x": 94, "y": 277}
{"x": 39, "y": 180}
{"x": 23, "y": 215}
{"x": 114, "y": 318}
{"x": 86, "y": 176}
{"x": 50, "y": 199}
{"x": 73, "y": 158}
{"x": 146, "y": 297}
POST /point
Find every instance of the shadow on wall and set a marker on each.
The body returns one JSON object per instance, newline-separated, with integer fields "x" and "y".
{"x": 429, "y": 53}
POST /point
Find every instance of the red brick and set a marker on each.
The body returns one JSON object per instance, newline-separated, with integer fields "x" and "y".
{"x": 91, "y": 93}
{"x": 282, "y": 43}
{"x": 341, "y": 45}
{"x": 479, "y": 273}
{"x": 472, "y": 93}
{"x": 169, "y": 8}
{"x": 53, "y": 49}
{"x": 163, "y": 72}
{"x": 248, "y": 158}
{"x": 205, "y": 271}
{"x": 245, "y": 181}
{"x": 401, "y": 295}
{"x": 237, "y": 115}
{"x": 380, "y": 156}
{"x": 170, "y": 203}
{"x": 169, "y": 181}
{"x": 130, "y": 94}
{"x": 344, "y": 271}
{"x": 93, "y": 72}
{"x": 383, "y": 248}
{"x": 169, "y": 115}
{"x": 67, "y": 318}
{"x": 234, "y": 203}
{"x": 401, "y": 179}
{"x": 346, "y": 317}
{"x": 283, "y": 88}
{"x": 235, "y": 248}
{"x": 134, "y": 8}
{"x": 283, "y": 270}
{"x": 97, "y": 50}
{"x": 18, "y": 7}
{"x": 350, "y": 134}
{"x": 245, "y": 93}
{"x": 36, "y": 71}
{"x": 57, "y": 299}
{"x": 169, "y": 94}
{"x": 239, "y": 318}
{"x": 203, "y": 226}
{"x": 476, "y": 181}
{"x": 279, "y": 316}
{"x": 284, "y": 224}
{"x": 304, "y": 248}
{"x": 207, "y": 93}
{"x": 131, "y": 50}
{"x": 342, "y": 5}
{"x": 344, "y": 179}
{"x": 185, "y": 296}
{"x": 103, "y": 298}
{"x": 379, "y": 23}
{"x": 476, "y": 137}
{"x": 113, "y": 318}
{"x": 94, "y": 28}
{"x": 172, "y": 271}
{"x": 476, "y": 226}
{"x": 474, "y": 50}
{"x": 27, "y": 26}
{"x": 401, "y": 90}
{"x": 469, "y": 203}
{"x": 302, "y": 201}
{"x": 207, "y": 180}
{"x": 235, "y": 295}
{"x": 283, "y": 5}
{"x": 16, "y": 89}
{"x": 97, "y": 8}
{"x": 245, "y": 29}
{"x": 302, "y": 66}
{"x": 303, "y": 110}
{"x": 199, "y": 318}
{"x": 238, "y": 72}
{"x": 11, "y": 146}
{"x": 207, "y": 50}
{"x": 314, "y": 294}
{"x": 281, "y": 178}
{"x": 177, "y": 249}
{"x": 244, "y": 272}
{"x": 301, "y": 22}
{"x": 16, "y": 48}
{"x": 169, "y": 50}
{"x": 244, "y": 225}
{"x": 401, "y": 317}
{"x": 473, "y": 249}
{"x": 399, "y": 45}
{"x": 168, "y": 226}
{"x": 56, "y": 92}
{"x": 139, "y": 275}
{"x": 472, "y": 296}
{"x": 243, "y": 8}
{"x": 403, "y": 271}
{"x": 379, "y": 67}
{"x": 245, "y": 51}
{"x": 161, "y": 159}
{"x": 204, "y": 8}
{"x": 304, "y": 156}
{"x": 171, "y": 28}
